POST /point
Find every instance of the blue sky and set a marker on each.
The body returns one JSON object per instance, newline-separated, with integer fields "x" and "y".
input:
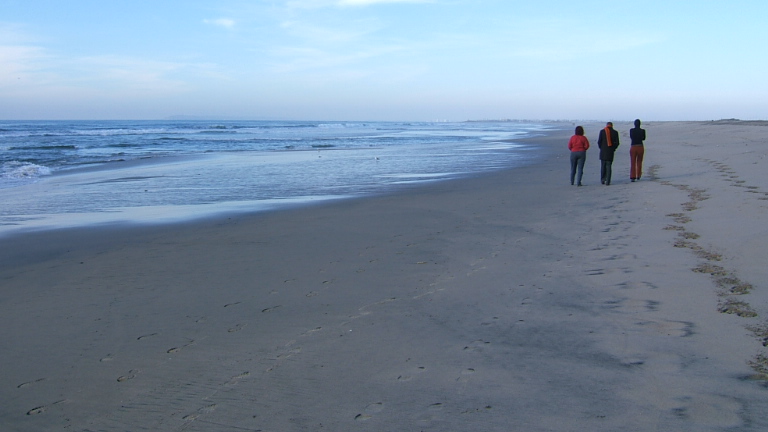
{"x": 383, "y": 59}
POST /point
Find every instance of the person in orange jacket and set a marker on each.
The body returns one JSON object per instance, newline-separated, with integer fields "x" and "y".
{"x": 578, "y": 145}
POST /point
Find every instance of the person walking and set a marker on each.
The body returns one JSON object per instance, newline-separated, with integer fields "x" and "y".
{"x": 608, "y": 142}
{"x": 578, "y": 145}
{"x": 636, "y": 152}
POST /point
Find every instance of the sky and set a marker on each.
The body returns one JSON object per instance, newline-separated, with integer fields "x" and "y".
{"x": 399, "y": 60}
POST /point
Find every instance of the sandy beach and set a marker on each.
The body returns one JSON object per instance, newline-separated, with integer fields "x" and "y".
{"x": 512, "y": 301}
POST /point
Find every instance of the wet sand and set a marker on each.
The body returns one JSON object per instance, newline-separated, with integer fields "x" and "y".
{"x": 510, "y": 301}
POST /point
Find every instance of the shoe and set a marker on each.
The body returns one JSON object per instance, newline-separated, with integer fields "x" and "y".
{"x": 579, "y": 184}
{"x": 602, "y": 181}
{"x": 632, "y": 180}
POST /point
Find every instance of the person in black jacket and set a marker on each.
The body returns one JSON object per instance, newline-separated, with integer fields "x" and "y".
{"x": 636, "y": 152}
{"x": 608, "y": 142}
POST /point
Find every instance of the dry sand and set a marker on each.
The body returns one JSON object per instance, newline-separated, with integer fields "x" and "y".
{"x": 509, "y": 302}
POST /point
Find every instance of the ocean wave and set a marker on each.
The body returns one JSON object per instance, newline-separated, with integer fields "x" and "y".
{"x": 217, "y": 131}
{"x": 23, "y": 170}
{"x": 45, "y": 147}
{"x": 341, "y": 125}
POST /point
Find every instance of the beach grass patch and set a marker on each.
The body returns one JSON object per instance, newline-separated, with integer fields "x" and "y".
{"x": 680, "y": 243}
{"x": 737, "y": 307}
{"x": 674, "y": 228}
{"x": 698, "y": 195}
{"x": 761, "y": 332}
{"x": 734, "y": 285}
{"x": 714, "y": 270}
{"x": 688, "y": 235}
{"x": 760, "y": 366}
{"x": 681, "y": 218}
{"x": 709, "y": 256}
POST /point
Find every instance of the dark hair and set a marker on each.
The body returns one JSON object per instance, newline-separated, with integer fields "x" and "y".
{"x": 579, "y": 130}
{"x": 637, "y": 123}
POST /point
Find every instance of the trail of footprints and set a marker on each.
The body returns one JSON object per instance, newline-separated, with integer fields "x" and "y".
{"x": 133, "y": 373}
{"x": 730, "y": 287}
{"x": 616, "y": 237}
{"x": 429, "y": 412}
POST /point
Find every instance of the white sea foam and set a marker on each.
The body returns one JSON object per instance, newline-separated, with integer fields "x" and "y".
{"x": 155, "y": 170}
{"x": 23, "y": 170}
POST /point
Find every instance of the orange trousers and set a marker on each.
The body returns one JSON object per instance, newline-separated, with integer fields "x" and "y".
{"x": 636, "y": 153}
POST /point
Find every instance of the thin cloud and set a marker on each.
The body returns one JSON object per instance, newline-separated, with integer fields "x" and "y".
{"x": 315, "y": 34}
{"x": 221, "y": 22}
{"x": 18, "y": 62}
{"x": 315, "y": 4}
{"x": 21, "y": 60}
{"x": 372, "y": 2}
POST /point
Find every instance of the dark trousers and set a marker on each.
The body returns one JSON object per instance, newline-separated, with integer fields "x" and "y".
{"x": 577, "y": 165}
{"x": 605, "y": 171}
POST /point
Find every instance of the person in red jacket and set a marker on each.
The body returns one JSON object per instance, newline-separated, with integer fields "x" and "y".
{"x": 578, "y": 145}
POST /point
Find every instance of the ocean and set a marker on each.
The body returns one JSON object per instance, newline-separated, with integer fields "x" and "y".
{"x": 56, "y": 174}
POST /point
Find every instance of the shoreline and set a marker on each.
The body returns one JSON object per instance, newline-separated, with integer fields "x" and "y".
{"x": 506, "y": 300}
{"x": 182, "y": 187}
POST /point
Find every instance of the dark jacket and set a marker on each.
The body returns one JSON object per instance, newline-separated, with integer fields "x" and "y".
{"x": 637, "y": 135}
{"x": 606, "y": 152}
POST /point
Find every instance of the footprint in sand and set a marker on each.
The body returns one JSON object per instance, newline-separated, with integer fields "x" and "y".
{"x": 713, "y": 410}
{"x": 621, "y": 257}
{"x": 465, "y": 375}
{"x": 635, "y": 285}
{"x": 179, "y": 348}
{"x": 236, "y": 328}
{"x": 36, "y": 410}
{"x": 369, "y": 411}
{"x": 204, "y": 410}
{"x": 29, "y": 383}
{"x": 477, "y": 346}
{"x": 41, "y": 409}
{"x": 632, "y": 305}
{"x": 146, "y": 336}
{"x": 235, "y": 379}
{"x": 314, "y": 330}
{"x": 410, "y": 374}
{"x": 129, "y": 376}
{"x": 595, "y": 272}
{"x": 670, "y": 328}
{"x": 289, "y": 353}
{"x": 431, "y": 413}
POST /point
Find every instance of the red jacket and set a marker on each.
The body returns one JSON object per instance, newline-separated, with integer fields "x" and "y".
{"x": 578, "y": 143}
